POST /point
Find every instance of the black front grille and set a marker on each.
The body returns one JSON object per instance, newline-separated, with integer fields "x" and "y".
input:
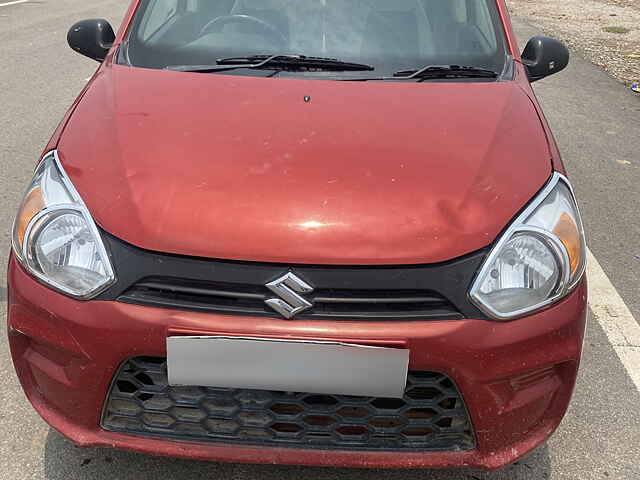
{"x": 250, "y": 299}
{"x": 430, "y": 417}
{"x": 374, "y": 292}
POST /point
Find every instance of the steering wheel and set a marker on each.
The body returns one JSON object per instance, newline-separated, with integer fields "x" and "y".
{"x": 217, "y": 24}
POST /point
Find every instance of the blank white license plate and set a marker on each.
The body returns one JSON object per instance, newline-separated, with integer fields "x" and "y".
{"x": 285, "y": 365}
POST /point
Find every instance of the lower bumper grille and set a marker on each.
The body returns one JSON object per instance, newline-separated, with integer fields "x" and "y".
{"x": 430, "y": 417}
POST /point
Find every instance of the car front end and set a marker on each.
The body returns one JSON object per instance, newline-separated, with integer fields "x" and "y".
{"x": 194, "y": 275}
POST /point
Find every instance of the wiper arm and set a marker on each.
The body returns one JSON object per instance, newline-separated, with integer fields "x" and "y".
{"x": 278, "y": 62}
{"x": 296, "y": 62}
{"x": 445, "y": 71}
{"x": 433, "y": 72}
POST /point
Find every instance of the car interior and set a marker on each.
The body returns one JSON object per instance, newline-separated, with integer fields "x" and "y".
{"x": 201, "y": 31}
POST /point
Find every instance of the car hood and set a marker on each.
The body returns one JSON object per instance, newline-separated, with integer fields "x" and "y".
{"x": 303, "y": 171}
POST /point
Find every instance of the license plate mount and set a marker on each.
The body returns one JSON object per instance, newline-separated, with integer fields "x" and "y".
{"x": 287, "y": 365}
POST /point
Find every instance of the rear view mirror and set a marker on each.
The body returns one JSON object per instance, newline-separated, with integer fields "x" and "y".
{"x": 92, "y": 38}
{"x": 544, "y": 56}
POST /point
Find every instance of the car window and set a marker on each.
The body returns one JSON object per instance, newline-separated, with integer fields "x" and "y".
{"x": 159, "y": 12}
{"x": 389, "y": 35}
{"x": 476, "y": 13}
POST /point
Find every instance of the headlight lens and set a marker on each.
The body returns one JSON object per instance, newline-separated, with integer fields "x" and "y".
{"x": 55, "y": 238}
{"x": 538, "y": 260}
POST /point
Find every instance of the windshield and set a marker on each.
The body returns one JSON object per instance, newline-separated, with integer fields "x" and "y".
{"x": 388, "y": 35}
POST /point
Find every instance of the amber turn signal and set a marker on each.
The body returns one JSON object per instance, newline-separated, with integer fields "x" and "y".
{"x": 569, "y": 234}
{"x": 32, "y": 204}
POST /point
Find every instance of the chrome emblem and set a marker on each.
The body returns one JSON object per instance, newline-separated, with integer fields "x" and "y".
{"x": 287, "y": 288}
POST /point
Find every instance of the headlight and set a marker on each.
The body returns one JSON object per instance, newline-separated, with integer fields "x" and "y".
{"x": 538, "y": 260}
{"x": 55, "y": 238}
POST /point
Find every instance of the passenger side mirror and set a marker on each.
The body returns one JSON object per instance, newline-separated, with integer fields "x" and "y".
{"x": 544, "y": 56}
{"x": 92, "y": 38}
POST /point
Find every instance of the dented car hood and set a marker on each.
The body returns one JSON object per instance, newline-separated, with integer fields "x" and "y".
{"x": 243, "y": 168}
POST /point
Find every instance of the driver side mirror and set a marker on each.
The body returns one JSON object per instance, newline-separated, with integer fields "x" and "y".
{"x": 92, "y": 38}
{"x": 544, "y": 56}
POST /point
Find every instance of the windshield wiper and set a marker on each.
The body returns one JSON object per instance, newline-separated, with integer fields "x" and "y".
{"x": 445, "y": 71}
{"x": 433, "y": 72}
{"x": 276, "y": 62}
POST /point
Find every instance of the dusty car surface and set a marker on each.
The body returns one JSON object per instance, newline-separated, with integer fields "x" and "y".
{"x": 316, "y": 232}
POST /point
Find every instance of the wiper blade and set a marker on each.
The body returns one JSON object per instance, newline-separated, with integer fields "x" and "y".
{"x": 432, "y": 72}
{"x": 278, "y": 62}
{"x": 445, "y": 71}
{"x": 297, "y": 61}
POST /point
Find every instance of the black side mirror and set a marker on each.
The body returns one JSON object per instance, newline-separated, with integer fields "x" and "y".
{"x": 544, "y": 56}
{"x": 92, "y": 38}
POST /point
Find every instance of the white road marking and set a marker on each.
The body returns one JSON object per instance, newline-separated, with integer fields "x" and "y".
{"x": 15, "y": 2}
{"x": 615, "y": 318}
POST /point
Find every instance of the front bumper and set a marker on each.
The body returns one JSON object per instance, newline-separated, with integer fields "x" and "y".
{"x": 516, "y": 378}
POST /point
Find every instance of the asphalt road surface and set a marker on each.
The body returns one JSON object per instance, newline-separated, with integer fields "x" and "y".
{"x": 597, "y": 125}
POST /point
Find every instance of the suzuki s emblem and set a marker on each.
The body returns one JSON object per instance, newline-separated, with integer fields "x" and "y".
{"x": 288, "y": 288}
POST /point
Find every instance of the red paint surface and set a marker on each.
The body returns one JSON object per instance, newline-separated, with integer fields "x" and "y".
{"x": 242, "y": 168}
{"x": 66, "y": 358}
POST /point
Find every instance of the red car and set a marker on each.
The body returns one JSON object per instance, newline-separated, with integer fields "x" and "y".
{"x": 303, "y": 232}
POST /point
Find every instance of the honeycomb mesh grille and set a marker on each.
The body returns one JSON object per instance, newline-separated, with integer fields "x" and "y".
{"x": 430, "y": 417}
